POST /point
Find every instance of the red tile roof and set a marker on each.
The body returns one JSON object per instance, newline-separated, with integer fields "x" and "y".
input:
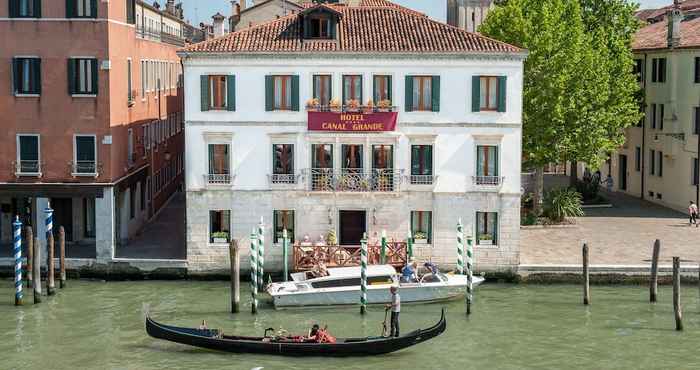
{"x": 654, "y": 36}
{"x": 373, "y": 26}
{"x": 656, "y": 14}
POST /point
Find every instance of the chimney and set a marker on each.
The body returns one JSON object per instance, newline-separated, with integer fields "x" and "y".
{"x": 218, "y": 24}
{"x": 674, "y": 18}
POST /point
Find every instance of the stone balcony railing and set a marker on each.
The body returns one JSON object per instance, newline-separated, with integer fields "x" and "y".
{"x": 488, "y": 181}
{"x": 283, "y": 179}
{"x": 27, "y": 168}
{"x": 85, "y": 168}
{"x": 218, "y": 179}
{"x": 354, "y": 180}
{"x": 422, "y": 179}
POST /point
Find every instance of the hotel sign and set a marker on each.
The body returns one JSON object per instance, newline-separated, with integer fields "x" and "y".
{"x": 352, "y": 122}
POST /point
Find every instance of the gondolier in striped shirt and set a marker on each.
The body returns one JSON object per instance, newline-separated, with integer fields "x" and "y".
{"x": 395, "y": 307}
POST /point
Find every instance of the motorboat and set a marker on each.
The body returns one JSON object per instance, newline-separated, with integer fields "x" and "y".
{"x": 341, "y": 286}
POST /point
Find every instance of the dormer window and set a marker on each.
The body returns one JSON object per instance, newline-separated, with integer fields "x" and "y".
{"x": 320, "y": 22}
{"x": 320, "y": 28}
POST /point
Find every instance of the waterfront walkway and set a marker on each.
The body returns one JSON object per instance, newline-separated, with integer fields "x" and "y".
{"x": 622, "y": 236}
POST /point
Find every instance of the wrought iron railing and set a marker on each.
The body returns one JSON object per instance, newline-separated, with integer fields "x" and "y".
{"x": 27, "y": 168}
{"x": 277, "y": 178}
{"x": 217, "y": 179}
{"x": 354, "y": 180}
{"x": 422, "y": 179}
{"x": 488, "y": 180}
{"x": 84, "y": 168}
{"x": 157, "y": 34}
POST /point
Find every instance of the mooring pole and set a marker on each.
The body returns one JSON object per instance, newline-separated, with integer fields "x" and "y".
{"x": 235, "y": 277}
{"x": 409, "y": 245}
{"x": 654, "y": 275}
{"x": 363, "y": 274}
{"x": 677, "y": 309}
{"x": 50, "y": 284}
{"x": 62, "y": 255}
{"x": 470, "y": 274}
{"x": 460, "y": 248}
{"x": 586, "y": 276}
{"x": 253, "y": 273}
{"x": 37, "y": 271}
{"x": 261, "y": 256}
{"x": 30, "y": 256}
{"x": 382, "y": 251}
{"x": 18, "y": 260}
{"x": 285, "y": 254}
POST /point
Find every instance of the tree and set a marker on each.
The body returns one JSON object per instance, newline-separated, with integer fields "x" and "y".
{"x": 574, "y": 108}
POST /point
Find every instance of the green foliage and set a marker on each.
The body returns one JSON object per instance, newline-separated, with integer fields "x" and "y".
{"x": 220, "y": 234}
{"x": 588, "y": 188}
{"x": 562, "y": 203}
{"x": 331, "y": 238}
{"x": 529, "y": 219}
{"x": 578, "y": 93}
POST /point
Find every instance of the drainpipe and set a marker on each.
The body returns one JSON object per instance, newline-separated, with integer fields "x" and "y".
{"x": 643, "y": 155}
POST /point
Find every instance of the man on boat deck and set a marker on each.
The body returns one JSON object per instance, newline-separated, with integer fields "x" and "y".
{"x": 395, "y": 310}
{"x": 409, "y": 274}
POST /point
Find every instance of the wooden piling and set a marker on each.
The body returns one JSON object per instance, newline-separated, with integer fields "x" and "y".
{"x": 29, "y": 235}
{"x": 677, "y": 293}
{"x": 62, "y": 256}
{"x": 586, "y": 277}
{"x": 654, "y": 275}
{"x": 235, "y": 276}
{"x": 36, "y": 267}
{"x": 50, "y": 281}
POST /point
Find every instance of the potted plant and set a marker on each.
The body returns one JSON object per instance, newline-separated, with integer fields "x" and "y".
{"x": 353, "y": 104}
{"x": 331, "y": 238}
{"x": 485, "y": 239}
{"x": 312, "y": 104}
{"x": 370, "y": 105}
{"x": 335, "y": 104}
{"x": 220, "y": 237}
{"x": 420, "y": 237}
{"x": 384, "y": 105}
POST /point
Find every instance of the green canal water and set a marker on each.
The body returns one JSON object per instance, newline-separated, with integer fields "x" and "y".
{"x": 98, "y": 325}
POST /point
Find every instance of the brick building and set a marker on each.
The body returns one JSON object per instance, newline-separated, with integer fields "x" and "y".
{"x": 92, "y": 117}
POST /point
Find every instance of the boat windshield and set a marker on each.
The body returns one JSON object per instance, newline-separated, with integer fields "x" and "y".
{"x": 345, "y": 282}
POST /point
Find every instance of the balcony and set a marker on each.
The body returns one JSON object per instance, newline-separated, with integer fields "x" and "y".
{"x": 492, "y": 182}
{"x": 156, "y": 34}
{"x": 27, "y": 168}
{"x": 221, "y": 179}
{"x": 352, "y": 180}
{"x": 85, "y": 169}
{"x": 283, "y": 179}
{"x": 422, "y": 179}
{"x": 337, "y": 108}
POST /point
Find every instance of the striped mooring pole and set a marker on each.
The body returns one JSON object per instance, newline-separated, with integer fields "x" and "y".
{"x": 285, "y": 251}
{"x": 18, "y": 260}
{"x": 363, "y": 274}
{"x": 470, "y": 274}
{"x": 409, "y": 245}
{"x": 382, "y": 256}
{"x": 253, "y": 273}
{"x": 49, "y": 220}
{"x": 460, "y": 248}
{"x": 50, "y": 282}
{"x": 261, "y": 255}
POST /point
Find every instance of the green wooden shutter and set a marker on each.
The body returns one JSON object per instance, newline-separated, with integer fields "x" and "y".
{"x": 295, "y": 93}
{"x": 502, "y": 93}
{"x": 14, "y": 9}
{"x": 388, "y": 88}
{"x": 362, "y": 84}
{"x": 436, "y": 94}
{"x": 409, "y": 94}
{"x": 269, "y": 93}
{"x": 71, "y": 76}
{"x": 314, "y": 90}
{"x": 375, "y": 93}
{"x": 476, "y": 93}
{"x": 415, "y": 163}
{"x": 37, "y": 75}
{"x": 231, "y": 93}
{"x": 429, "y": 160}
{"x": 204, "y": 92}
{"x": 496, "y": 162}
{"x": 37, "y": 8}
{"x": 93, "y": 7}
{"x": 95, "y": 76}
{"x": 15, "y": 76}
{"x": 70, "y": 8}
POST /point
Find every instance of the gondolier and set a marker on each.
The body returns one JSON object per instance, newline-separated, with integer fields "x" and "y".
{"x": 395, "y": 307}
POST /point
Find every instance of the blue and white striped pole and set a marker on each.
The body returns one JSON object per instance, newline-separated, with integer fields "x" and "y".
{"x": 253, "y": 272}
{"x": 49, "y": 220}
{"x": 50, "y": 282}
{"x": 18, "y": 260}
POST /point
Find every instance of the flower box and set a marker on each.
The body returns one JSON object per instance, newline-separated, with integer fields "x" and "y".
{"x": 485, "y": 242}
{"x": 220, "y": 240}
{"x": 420, "y": 241}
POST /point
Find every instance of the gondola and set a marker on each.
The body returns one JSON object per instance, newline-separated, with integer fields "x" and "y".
{"x": 217, "y": 340}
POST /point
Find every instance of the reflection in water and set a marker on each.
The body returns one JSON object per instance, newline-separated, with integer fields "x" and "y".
{"x": 101, "y": 325}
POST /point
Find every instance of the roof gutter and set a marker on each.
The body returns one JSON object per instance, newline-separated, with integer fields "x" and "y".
{"x": 373, "y": 54}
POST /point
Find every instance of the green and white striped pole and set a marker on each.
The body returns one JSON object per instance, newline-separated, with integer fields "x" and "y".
{"x": 409, "y": 245}
{"x": 382, "y": 257}
{"x": 261, "y": 255}
{"x": 285, "y": 248}
{"x": 363, "y": 274}
{"x": 253, "y": 273}
{"x": 460, "y": 248}
{"x": 470, "y": 273}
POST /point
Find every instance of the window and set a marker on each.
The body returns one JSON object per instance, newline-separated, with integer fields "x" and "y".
{"x": 658, "y": 70}
{"x": 85, "y": 156}
{"x": 144, "y": 78}
{"x": 322, "y": 156}
{"x": 283, "y": 220}
{"x": 696, "y": 121}
{"x": 217, "y": 92}
{"x": 652, "y": 162}
{"x": 661, "y": 117}
{"x": 282, "y": 92}
{"x": 421, "y": 164}
{"x": 638, "y": 159}
{"x": 320, "y": 28}
{"x": 283, "y": 163}
{"x": 82, "y": 76}
{"x": 653, "y": 116}
{"x": 382, "y": 89}
{"x": 486, "y": 228}
{"x": 487, "y": 165}
{"x": 219, "y": 159}
{"x": 661, "y": 163}
{"x": 81, "y": 8}
{"x": 142, "y": 197}
{"x": 489, "y": 93}
{"x": 422, "y": 93}
{"x": 28, "y": 154}
{"x": 130, "y": 95}
{"x": 352, "y": 158}
{"x": 219, "y": 226}
{"x": 638, "y": 69}
{"x": 352, "y": 88}
{"x": 422, "y": 227}
{"x": 25, "y": 8}
{"x": 130, "y": 146}
{"x": 322, "y": 89}
{"x": 89, "y": 220}
{"x": 697, "y": 70}
{"x": 132, "y": 201}
{"x": 382, "y": 157}
{"x": 131, "y": 11}
{"x": 26, "y": 75}
{"x": 695, "y": 173}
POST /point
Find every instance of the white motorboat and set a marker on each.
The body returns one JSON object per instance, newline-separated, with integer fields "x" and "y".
{"x": 342, "y": 287}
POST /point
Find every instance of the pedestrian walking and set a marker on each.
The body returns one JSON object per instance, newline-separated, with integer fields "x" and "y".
{"x": 693, "y": 211}
{"x": 395, "y": 307}
{"x": 609, "y": 183}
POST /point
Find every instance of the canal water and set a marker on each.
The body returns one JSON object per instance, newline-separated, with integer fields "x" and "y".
{"x": 98, "y": 325}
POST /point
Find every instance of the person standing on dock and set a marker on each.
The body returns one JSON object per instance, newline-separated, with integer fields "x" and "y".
{"x": 395, "y": 307}
{"x": 693, "y": 211}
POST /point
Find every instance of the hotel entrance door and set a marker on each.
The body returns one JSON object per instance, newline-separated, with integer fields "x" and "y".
{"x": 352, "y": 225}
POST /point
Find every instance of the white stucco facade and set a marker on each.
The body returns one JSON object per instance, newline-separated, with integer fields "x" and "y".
{"x": 454, "y": 133}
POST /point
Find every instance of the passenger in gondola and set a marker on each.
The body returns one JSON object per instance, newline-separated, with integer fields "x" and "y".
{"x": 409, "y": 273}
{"x": 203, "y": 326}
{"x": 318, "y": 335}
